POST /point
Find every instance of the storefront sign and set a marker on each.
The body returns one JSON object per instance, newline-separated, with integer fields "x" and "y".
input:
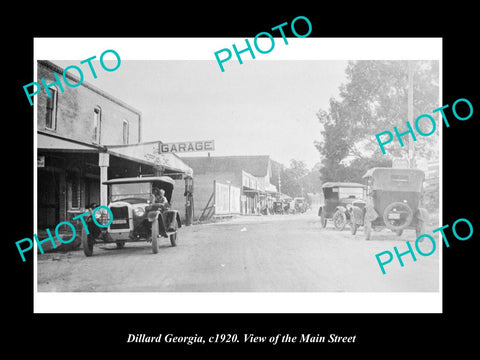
{"x": 186, "y": 146}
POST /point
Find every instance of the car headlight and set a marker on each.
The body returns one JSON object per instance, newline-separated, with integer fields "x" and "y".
{"x": 102, "y": 216}
{"x": 139, "y": 211}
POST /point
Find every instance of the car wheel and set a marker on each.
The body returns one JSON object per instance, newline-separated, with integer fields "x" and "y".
{"x": 339, "y": 220}
{"x": 155, "y": 236}
{"x": 353, "y": 224}
{"x": 87, "y": 243}
{"x": 323, "y": 220}
{"x": 368, "y": 230}
{"x": 120, "y": 244}
{"x": 173, "y": 238}
{"x": 405, "y": 216}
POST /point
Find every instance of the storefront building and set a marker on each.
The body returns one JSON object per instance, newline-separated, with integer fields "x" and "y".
{"x": 84, "y": 137}
{"x": 249, "y": 173}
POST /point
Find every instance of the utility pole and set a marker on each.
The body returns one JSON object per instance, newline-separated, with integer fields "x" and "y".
{"x": 279, "y": 182}
{"x": 411, "y": 143}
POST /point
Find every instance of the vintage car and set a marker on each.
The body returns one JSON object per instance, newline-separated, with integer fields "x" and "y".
{"x": 336, "y": 197}
{"x": 277, "y": 207}
{"x": 300, "y": 204}
{"x": 137, "y": 214}
{"x": 393, "y": 201}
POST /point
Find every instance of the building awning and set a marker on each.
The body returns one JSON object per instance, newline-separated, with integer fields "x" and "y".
{"x": 144, "y": 153}
{"x": 147, "y": 153}
{"x": 270, "y": 188}
{"x": 53, "y": 142}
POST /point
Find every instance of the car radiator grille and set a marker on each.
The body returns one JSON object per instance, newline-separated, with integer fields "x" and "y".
{"x": 120, "y": 218}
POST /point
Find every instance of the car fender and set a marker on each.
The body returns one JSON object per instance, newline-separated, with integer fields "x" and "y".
{"x": 344, "y": 210}
{"x": 179, "y": 221}
{"x": 152, "y": 215}
{"x": 172, "y": 219}
{"x": 155, "y": 214}
{"x": 357, "y": 214}
{"x": 422, "y": 214}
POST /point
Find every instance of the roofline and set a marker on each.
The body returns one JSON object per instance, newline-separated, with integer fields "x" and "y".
{"x": 52, "y": 66}
{"x": 342, "y": 184}
{"x": 372, "y": 170}
{"x": 167, "y": 179}
{"x": 97, "y": 148}
{"x": 225, "y": 156}
{"x": 54, "y": 135}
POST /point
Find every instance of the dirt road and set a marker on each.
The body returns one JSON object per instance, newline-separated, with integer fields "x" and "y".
{"x": 288, "y": 253}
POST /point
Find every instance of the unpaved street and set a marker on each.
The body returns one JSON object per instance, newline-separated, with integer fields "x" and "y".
{"x": 288, "y": 253}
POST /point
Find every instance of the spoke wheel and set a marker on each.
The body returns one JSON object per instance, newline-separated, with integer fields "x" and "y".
{"x": 339, "y": 220}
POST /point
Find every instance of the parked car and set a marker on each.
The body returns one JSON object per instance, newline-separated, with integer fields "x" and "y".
{"x": 278, "y": 207}
{"x": 300, "y": 204}
{"x": 288, "y": 206}
{"x": 393, "y": 201}
{"x": 336, "y": 197}
{"x": 137, "y": 214}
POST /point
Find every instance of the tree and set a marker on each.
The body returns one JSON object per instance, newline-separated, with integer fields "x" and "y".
{"x": 373, "y": 100}
{"x": 290, "y": 178}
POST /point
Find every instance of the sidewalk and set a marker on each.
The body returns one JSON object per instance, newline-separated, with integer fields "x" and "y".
{"x": 47, "y": 246}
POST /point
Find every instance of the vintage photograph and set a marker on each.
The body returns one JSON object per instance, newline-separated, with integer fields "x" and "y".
{"x": 170, "y": 176}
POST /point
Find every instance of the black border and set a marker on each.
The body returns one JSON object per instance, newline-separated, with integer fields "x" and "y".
{"x": 408, "y": 333}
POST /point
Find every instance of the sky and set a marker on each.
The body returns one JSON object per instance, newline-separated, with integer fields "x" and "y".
{"x": 255, "y": 108}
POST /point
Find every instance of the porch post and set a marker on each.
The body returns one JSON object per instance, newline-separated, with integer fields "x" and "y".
{"x": 103, "y": 163}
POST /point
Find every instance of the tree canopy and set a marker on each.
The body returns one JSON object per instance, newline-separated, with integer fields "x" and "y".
{"x": 374, "y": 99}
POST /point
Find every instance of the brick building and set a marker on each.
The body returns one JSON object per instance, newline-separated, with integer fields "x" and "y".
{"x": 84, "y": 137}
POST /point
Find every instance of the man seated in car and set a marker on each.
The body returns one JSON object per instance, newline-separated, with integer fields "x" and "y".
{"x": 160, "y": 196}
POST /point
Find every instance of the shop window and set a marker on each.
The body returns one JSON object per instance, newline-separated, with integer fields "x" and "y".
{"x": 125, "y": 132}
{"x": 73, "y": 192}
{"x": 97, "y": 124}
{"x": 51, "y": 112}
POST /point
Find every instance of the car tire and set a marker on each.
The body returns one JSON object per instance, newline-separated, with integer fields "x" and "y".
{"x": 173, "y": 238}
{"x": 87, "y": 243}
{"x": 323, "y": 220}
{"x": 339, "y": 220}
{"x": 402, "y": 206}
{"x": 368, "y": 230}
{"x": 155, "y": 236}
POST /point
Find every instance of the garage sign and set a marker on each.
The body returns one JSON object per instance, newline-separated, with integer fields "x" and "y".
{"x": 186, "y": 146}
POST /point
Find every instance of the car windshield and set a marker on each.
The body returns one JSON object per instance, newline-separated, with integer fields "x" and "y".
{"x": 350, "y": 193}
{"x": 128, "y": 191}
